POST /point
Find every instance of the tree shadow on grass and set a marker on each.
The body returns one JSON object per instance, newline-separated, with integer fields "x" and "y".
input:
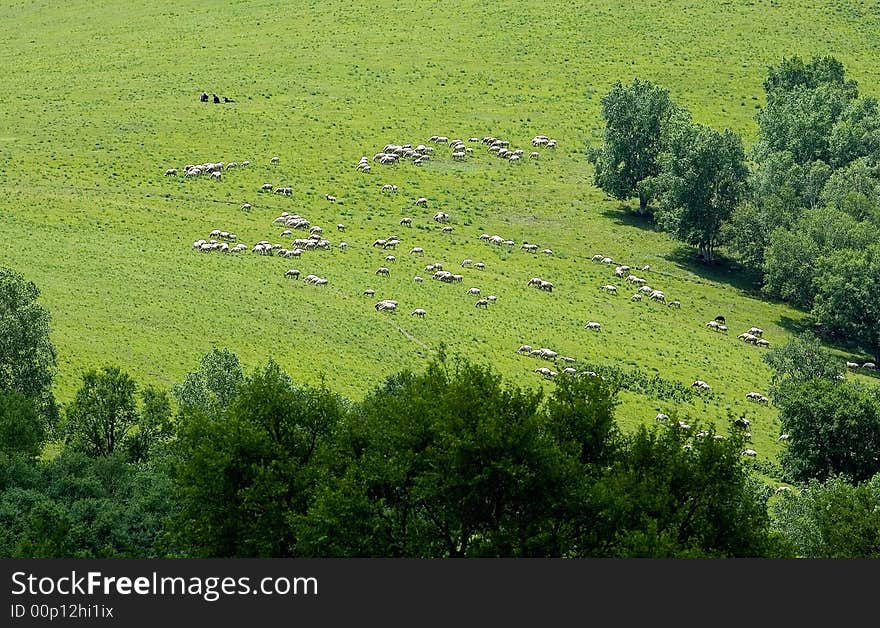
{"x": 624, "y": 216}
{"x": 722, "y": 270}
{"x": 795, "y": 326}
{"x": 853, "y": 350}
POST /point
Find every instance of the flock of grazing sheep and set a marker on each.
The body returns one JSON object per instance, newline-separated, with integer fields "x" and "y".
{"x": 392, "y": 154}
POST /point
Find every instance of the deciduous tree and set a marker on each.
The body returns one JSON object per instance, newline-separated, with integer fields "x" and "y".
{"x": 103, "y": 412}
{"x": 635, "y": 116}
{"x": 847, "y": 301}
{"x": 702, "y": 178}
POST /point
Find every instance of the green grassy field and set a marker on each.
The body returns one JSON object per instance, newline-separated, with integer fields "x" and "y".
{"x": 100, "y": 101}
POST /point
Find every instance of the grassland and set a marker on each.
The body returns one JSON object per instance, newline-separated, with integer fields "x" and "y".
{"x": 100, "y": 100}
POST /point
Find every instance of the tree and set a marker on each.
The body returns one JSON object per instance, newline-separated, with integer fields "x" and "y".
{"x": 747, "y": 231}
{"x": 21, "y": 430}
{"x": 778, "y": 177}
{"x": 802, "y": 359}
{"x": 804, "y": 102}
{"x": 853, "y": 189}
{"x": 831, "y": 520}
{"x": 214, "y": 385}
{"x": 76, "y": 506}
{"x": 674, "y": 492}
{"x": 786, "y": 276}
{"x": 702, "y": 178}
{"x": 27, "y": 355}
{"x": 818, "y": 233}
{"x": 635, "y": 116}
{"x": 800, "y": 122}
{"x": 246, "y": 474}
{"x": 834, "y": 429}
{"x": 847, "y": 301}
{"x": 580, "y": 416}
{"x": 792, "y": 73}
{"x": 103, "y": 412}
{"x": 451, "y": 463}
{"x": 154, "y": 427}
{"x": 856, "y": 134}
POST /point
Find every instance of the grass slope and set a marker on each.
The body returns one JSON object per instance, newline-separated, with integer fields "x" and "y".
{"x": 99, "y": 101}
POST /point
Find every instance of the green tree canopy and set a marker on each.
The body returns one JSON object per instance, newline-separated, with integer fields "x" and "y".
{"x": 679, "y": 492}
{"x": 77, "y": 506}
{"x": 834, "y": 429}
{"x": 154, "y": 426}
{"x": 802, "y": 359}
{"x": 854, "y": 189}
{"x": 856, "y": 134}
{"x": 847, "y": 301}
{"x": 804, "y": 102}
{"x": 792, "y": 73}
{"x": 27, "y": 355}
{"x": 817, "y": 234}
{"x": 747, "y": 231}
{"x": 702, "y": 178}
{"x": 244, "y": 474}
{"x": 635, "y": 116}
{"x": 103, "y": 412}
{"x": 445, "y": 463}
{"x": 214, "y": 384}
{"x": 831, "y": 520}
{"x": 21, "y": 430}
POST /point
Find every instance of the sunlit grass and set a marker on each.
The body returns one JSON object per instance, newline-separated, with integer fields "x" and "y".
{"x": 100, "y": 101}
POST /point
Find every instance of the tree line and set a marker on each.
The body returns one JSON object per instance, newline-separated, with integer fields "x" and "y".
{"x": 801, "y": 209}
{"x": 450, "y": 461}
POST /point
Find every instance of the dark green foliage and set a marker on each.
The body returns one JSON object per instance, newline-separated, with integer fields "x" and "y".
{"x": 831, "y": 520}
{"x": 447, "y": 463}
{"x": 847, "y": 301}
{"x": 103, "y": 413}
{"x": 834, "y": 429}
{"x": 81, "y": 507}
{"x": 856, "y": 134}
{"x": 819, "y": 144}
{"x": 154, "y": 427}
{"x": 675, "y": 492}
{"x": 777, "y": 177}
{"x": 702, "y": 178}
{"x": 635, "y": 116}
{"x": 21, "y": 430}
{"x": 580, "y": 415}
{"x": 792, "y": 73}
{"x": 104, "y": 417}
{"x": 786, "y": 276}
{"x": 804, "y": 101}
{"x": 854, "y": 189}
{"x": 747, "y": 230}
{"x": 244, "y": 474}
{"x": 27, "y": 355}
{"x": 800, "y": 122}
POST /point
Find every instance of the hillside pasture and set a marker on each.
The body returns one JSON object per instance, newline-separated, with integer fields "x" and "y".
{"x": 98, "y": 107}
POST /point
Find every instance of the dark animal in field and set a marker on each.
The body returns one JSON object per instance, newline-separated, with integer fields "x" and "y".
{"x": 216, "y": 99}
{"x": 225, "y": 99}
{"x": 204, "y": 97}
{"x": 720, "y": 319}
